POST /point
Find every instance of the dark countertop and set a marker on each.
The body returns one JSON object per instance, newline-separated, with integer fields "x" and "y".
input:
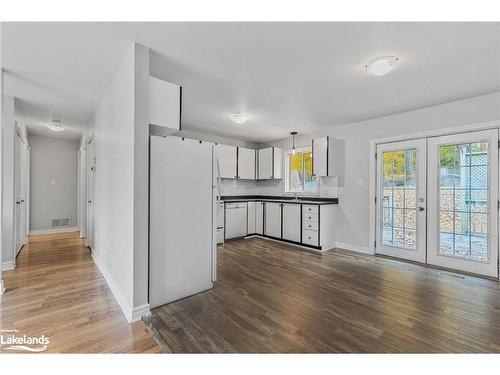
{"x": 278, "y": 198}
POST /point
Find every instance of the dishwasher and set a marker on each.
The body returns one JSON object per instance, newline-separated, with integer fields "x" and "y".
{"x": 236, "y": 220}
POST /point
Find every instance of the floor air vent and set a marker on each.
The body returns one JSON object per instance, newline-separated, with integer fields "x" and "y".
{"x": 56, "y": 223}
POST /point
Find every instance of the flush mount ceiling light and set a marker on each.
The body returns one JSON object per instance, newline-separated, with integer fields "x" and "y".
{"x": 239, "y": 118}
{"x": 382, "y": 65}
{"x": 56, "y": 126}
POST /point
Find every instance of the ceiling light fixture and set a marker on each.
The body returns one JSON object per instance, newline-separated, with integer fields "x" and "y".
{"x": 293, "y": 134}
{"x": 239, "y": 118}
{"x": 56, "y": 126}
{"x": 382, "y": 65}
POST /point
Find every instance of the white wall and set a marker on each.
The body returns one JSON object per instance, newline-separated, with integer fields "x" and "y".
{"x": 113, "y": 128}
{"x": 141, "y": 179}
{"x": 52, "y": 160}
{"x": 353, "y": 211}
{"x": 121, "y": 141}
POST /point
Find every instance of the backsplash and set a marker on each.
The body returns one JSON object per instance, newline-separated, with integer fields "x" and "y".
{"x": 327, "y": 187}
{"x": 237, "y": 187}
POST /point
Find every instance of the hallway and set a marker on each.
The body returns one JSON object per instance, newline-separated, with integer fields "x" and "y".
{"x": 57, "y": 291}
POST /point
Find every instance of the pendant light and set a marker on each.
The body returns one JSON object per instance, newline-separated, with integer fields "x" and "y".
{"x": 293, "y": 134}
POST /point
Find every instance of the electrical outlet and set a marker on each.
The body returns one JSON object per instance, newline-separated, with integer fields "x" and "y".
{"x": 52, "y": 182}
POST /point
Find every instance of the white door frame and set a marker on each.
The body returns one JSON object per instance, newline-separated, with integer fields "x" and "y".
{"x": 425, "y": 134}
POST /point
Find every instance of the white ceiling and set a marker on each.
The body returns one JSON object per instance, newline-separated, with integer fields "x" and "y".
{"x": 285, "y": 76}
{"x": 36, "y": 119}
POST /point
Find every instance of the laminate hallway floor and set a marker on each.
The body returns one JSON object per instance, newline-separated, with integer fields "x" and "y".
{"x": 56, "y": 290}
{"x": 273, "y": 298}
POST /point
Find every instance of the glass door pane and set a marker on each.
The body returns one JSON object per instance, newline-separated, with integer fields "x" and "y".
{"x": 463, "y": 200}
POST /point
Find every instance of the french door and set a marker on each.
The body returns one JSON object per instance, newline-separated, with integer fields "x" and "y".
{"x": 463, "y": 196}
{"x": 438, "y": 201}
{"x": 401, "y": 199}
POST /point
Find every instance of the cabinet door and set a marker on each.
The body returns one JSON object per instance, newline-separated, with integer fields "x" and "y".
{"x": 226, "y": 156}
{"x": 291, "y": 222}
{"x": 272, "y": 220}
{"x": 251, "y": 218}
{"x": 246, "y": 163}
{"x": 277, "y": 162}
{"x": 265, "y": 163}
{"x": 259, "y": 217}
{"x": 165, "y": 100}
{"x": 320, "y": 156}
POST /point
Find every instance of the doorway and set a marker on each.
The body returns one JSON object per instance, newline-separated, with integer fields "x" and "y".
{"x": 21, "y": 188}
{"x": 437, "y": 201}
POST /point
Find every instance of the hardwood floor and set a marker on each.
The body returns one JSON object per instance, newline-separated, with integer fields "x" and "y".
{"x": 57, "y": 290}
{"x": 271, "y": 297}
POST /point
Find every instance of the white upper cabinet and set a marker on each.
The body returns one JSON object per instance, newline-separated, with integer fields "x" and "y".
{"x": 246, "y": 163}
{"x": 165, "y": 104}
{"x": 328, "y": 157}
{"x": 226, "y": 157}
{"x": 270, "y": 163}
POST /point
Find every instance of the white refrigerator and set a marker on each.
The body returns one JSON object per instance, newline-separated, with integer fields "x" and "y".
{"x": 182, "y": 258}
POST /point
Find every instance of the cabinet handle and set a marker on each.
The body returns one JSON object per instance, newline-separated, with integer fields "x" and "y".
{"x": 309, "y": 225}
{"x": 309, "y": 237}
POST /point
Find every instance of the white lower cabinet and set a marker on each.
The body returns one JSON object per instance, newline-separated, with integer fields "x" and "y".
{"x": 259, "y": 218}
{"x": 312, "y": 225}
{"x": 272, "y": 221}
{"x": 251, "y": 218}
{"x": 291, "y": 222}
{"x": 310, "y": 237}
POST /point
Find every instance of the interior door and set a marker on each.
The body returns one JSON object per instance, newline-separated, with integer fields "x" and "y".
{"x": 22, "y": 195}
{"x": 401, "y": 200}
{"x": 90, "y": 191}
{"x": 17, "y": 190}
{"x": 463, "y": 196}
{"x": 181, "y": 219}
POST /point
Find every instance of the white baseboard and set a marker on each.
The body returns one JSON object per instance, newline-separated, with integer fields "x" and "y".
{"x": 311, "y": 249}
{"x": 131, "y": 314}
{"x": 53, "y": 231}
{"x": 140, "y": 311}
{"x": 356, "y": 248}
{"x": 2, "y": 288}
{"x": 8, "y": 266}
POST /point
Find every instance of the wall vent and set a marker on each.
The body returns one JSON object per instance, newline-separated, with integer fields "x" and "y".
{"x": 57, "y": 223}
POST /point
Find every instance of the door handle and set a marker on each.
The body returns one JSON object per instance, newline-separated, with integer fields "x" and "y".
{"x": 421, "y": 209}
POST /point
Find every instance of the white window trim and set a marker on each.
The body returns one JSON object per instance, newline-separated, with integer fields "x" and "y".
{"x": 286, "y": 169}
